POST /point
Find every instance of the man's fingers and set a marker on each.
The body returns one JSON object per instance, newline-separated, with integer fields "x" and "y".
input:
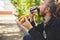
{"x": 22, "y": 20}
{"x": 26, "y": 19}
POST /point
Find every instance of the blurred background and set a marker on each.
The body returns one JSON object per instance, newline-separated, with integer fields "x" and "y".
{"x": 10, "y": 12}
{"x": 23, "y": 7}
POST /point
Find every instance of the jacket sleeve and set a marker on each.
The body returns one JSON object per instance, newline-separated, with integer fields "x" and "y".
{"x": 36, "y": 32}
{"x": 32, "y": 23}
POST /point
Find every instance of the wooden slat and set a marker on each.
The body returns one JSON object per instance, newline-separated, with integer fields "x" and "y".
{"x": 5, "y": 13}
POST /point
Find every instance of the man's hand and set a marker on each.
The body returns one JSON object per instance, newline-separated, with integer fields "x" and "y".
{"x": 32, "y": 14}
{"x": 24, "y": 21}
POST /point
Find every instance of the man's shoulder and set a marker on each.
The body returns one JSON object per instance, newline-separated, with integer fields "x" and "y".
{"x": 58, "y": 20}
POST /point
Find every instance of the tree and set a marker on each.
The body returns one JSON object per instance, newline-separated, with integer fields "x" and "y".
{"x": 23, "y": 6}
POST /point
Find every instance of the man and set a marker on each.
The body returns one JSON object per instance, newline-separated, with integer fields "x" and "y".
{"x": 49, "y": 29}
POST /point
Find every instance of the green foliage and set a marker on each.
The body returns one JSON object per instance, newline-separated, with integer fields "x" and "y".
{"x": 23, "y": 6}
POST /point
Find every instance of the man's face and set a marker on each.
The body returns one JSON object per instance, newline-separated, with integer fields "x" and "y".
{"x": 43, "y": 9}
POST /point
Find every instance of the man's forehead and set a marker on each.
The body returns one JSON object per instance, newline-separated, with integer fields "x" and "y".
{"x": 50, "y": 0}
{"x": 47, "y": 1}
{"x": 43, "y": 4}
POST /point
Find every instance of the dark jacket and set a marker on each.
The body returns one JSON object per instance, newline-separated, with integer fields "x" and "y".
{"x": 52, "y": 30}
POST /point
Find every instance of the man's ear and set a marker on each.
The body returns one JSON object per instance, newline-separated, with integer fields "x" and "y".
{"x": 47, "y": 9}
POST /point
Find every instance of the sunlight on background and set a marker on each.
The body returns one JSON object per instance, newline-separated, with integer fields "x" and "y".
{"x": 9, "y": 27}
{"x": 5, "y": 5}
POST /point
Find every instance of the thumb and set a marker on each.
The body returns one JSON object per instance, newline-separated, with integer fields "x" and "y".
{"x": 25, "y": 19}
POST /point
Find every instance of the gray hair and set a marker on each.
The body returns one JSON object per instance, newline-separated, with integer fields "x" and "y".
{"x": 52, "y": 5}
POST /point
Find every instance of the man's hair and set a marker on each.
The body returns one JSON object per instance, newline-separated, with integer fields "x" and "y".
{"x": 58, "y": 10}
{"x": 52, "y": 5}
{"x": 54, "y": 8}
